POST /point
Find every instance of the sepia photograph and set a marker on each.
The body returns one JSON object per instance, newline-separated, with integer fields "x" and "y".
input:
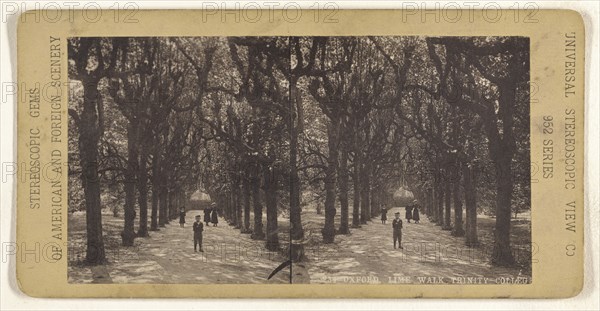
{"x": 351, "y": 157}
{"x": 305, "y": 160}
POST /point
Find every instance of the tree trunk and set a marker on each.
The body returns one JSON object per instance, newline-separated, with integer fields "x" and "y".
{"x": 165, "y": 170}
{"x": 447, "y": 207}
{"x": 225, "y": 203}
{"x": 429, "y": 201}
{"x": 246, "y": 202}
{"x": 296, "y": 229}
{"x": 155, "y": 189}
{"x": 471, "y": 206}
{"x": 434, "y": 202}
{"x": 257, "y": 232}
{"x": 375, "y": 201}
{"x": 143, "y": 192}
{"x": 271, "y": 203}
{"x": 343, "y": 184}
{"x": 154, "y": 216}
{"x": 356, "y": 214}
{"x": 232, "y": 206}
{"x": 162, "y": 205}
{"x": 89, "y": 135}
{"x": 440, "y": 202}
{"x": 502, "y": 254}
{"x": 365, "y": 204}
{"x": 501, "y": 145}
{"x": 128, "y": 233}
{"x": 458, "y": 211}
{"x": 238, "y": 203}
{"x": 230, "y": 199}
{"x": 330, "y": 179}
{"x": 173, "y": 208}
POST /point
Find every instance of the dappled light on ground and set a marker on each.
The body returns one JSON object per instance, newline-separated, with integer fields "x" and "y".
{"x": 168, "y": 256}
{"x": 430, "y": 255}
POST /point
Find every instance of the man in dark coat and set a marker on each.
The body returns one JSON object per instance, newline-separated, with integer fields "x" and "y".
{"x": 214, "y": 217}
{"x": 182, "y": 217}
{"x": 415, "y": 214}
{"x": 198, "y": 228}
{"x": 408, "y": 215}
{"x": 383, "y": 215}
{"x": 207, "y": 211}
{"x": 397, "y": 227}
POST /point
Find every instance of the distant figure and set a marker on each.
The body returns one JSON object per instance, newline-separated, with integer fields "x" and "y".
{"x": 214, "y": 216}
{"x": 408, "y": 215}
{"x": 182, "y": 217}
{"x": 397, "y": 227}
{"x": 198, "y": 228}
{"x": 207, "y": 215}
{"x": 383, "y": 215}
{"x": 415, "y": 214}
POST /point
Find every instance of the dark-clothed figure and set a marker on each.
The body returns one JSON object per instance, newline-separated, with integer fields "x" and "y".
{"x": 397, "y": 227}
{"x": 415, "y": 215}
{"x": 198, "y": 228}
{"x": 182, "y": 217}
{"x": 408, "y": 215}
{"x": 214, "y": 217}
{"x": 383, "y": 215}
{"x": 207, "y": 215}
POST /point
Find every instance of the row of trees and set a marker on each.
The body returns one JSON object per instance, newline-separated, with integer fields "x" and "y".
{"x": 167, "y": 117}
{"x": 129, "y": 134}
{"x": 255, "y": 122}
{"x": 435, "y": 115}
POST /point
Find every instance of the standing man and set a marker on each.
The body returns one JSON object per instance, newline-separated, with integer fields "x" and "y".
{"x": 397, "y": 226}
{"x": 198, "y": 228}
{"x": 408, "y": 215}
{"x": 207, "y": 211}
{"x": 383, "y": 214}
{"x": 415, "y": 214}
{"x": 214, "y": 216}
{"x": 182, "y": 217}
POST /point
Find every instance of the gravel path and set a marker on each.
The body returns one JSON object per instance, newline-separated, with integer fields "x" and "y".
{"x": 168, "y": 256}
{"x": 430, "y": 256}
